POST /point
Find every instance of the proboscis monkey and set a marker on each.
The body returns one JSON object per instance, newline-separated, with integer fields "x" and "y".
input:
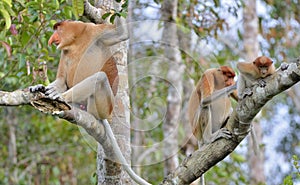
{"x": 207, "y": 118}
{"x": 253, "y": 72}
{"x": 210, "y": 105}
{"x": 87, "y": 73}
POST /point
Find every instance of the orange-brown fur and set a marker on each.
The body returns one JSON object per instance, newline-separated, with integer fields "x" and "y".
{"x": 199, "y": 116}
{"x": 83, "y": 55}
{"x": 250, "y": 72}
{"x": 87, "y": 72}
{"x": 73, "y": 38}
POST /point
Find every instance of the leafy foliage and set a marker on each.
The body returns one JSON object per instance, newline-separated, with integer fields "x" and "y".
{"x": 47, "y": 148}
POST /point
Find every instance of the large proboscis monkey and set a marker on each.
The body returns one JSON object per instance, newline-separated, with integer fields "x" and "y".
{"x": 253, "y": 72}
{"x": 208, "y": 113}
{"x": 87, "y": 73}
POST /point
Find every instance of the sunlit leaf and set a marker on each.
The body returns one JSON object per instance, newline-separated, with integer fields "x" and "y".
{"x": 7, "y": 18}
{"x": 8, "y": 2}
{"x": 78, "y": 7}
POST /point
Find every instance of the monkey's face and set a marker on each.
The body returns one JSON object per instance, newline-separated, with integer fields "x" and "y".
{"x": 63, "y": 35}
{"x": 263, "y": 65}
{"x": 228, "y": 80}
{"x": 263, "y": 71}
{"x": 228, "y": 75}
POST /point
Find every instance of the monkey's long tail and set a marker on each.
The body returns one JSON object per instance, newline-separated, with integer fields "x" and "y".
{"x": 120, "y": 156}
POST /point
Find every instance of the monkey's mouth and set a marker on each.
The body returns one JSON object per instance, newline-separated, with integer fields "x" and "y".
{"x": 56, "y": 42}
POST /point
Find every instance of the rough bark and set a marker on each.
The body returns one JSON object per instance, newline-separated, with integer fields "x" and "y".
{"x": 251, "y": 45}
{"x": 120, "y": 122}
{"x": 176, "y": 68}
{"x": 238, "y": 124}
{"x": 11, "y": 120}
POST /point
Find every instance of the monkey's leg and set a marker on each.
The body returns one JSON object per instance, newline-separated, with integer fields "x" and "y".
{"x": 247, "y": 92}
{"x": 97, "y": 91}
{"x": 209, "y": 137}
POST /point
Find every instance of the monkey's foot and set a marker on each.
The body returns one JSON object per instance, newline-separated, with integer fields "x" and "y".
{"x": 222, "y": 133}
{"x": 261, "y": 82}
{"x": 284, "y": 66}
{"x": 52, "y": 93}
{"x": 247, "y": 92}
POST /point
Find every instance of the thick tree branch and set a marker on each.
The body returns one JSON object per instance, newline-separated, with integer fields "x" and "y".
{"x": 201, "y": 160}
{"x": 60, "y": 108}
{"x": 93, "y": 13}
{"x": 239, "y": 124}
{"x": 101, "y": 132}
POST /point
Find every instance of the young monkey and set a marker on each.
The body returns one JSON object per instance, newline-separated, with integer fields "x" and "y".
{"x": 253, "y": 72}
{"x": 207, "y": 115}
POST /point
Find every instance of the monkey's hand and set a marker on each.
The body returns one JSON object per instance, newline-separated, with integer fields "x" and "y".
{"x": 261, "y": 82}
{"x": 221, "y": 133}
{"x": 37, "y": 88}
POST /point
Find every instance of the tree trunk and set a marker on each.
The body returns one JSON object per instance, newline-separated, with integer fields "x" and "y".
{"x": 120, "y": 121}
{"x": 11, "y": 120}
{"x": 137, "y": 137}
{"x": 251, "y": 45}
{"x": 189, "y": 142}
{"x": 175, "y": 73}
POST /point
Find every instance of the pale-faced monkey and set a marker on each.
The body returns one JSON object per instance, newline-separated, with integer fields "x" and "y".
{"x": 87, "y": 73}
{"x": 253, "y": 72}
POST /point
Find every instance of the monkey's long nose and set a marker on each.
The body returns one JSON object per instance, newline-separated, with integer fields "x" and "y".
{"x": 54, "y": 39}
{"x": 51, "y": 41}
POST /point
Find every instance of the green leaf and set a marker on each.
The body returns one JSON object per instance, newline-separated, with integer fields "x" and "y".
{"x": 125, "y": 5}
{"x": 6, "y": 17}
{"x": 112, "y": 18}
{"x": 78, "y": 7}
{"x": 8, "y": 2}
{"x": 123, "y": 14}
{"x": 104, "y": 16}
{"x": 56, "y": 4}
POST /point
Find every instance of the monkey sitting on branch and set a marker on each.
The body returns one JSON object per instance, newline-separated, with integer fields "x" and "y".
{"x": 87, "y": 73}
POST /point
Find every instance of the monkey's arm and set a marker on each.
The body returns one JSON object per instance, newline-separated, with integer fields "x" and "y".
{"x": 118, "y": 34}
{"x": 230, "y": 90}
{"x": 59, "y": 85}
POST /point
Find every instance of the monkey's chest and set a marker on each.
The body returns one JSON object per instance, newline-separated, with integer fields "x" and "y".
{"x": 80, "y": 69}
{"x": 220, "y": 110}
